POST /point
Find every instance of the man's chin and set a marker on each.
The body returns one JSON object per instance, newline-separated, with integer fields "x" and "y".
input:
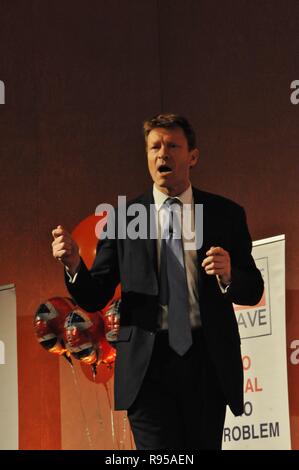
{"x": 164, "y": 180}
{"x": 163, "y": 183}
{"x": 164, "y": 186}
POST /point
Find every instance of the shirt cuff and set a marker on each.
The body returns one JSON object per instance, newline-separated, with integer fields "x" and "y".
{"x": 72, "y": 279}
{"x": 224, "y": 288}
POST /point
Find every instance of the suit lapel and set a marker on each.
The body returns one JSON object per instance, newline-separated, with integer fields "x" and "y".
{"x": 143, "y": 255}
{"x": 207, "y": 229}
{"x": 201, "y": 252}
{"x": 151, "y": 242}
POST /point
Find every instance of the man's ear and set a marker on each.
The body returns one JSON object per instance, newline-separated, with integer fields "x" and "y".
{"x": 194, "y": 157}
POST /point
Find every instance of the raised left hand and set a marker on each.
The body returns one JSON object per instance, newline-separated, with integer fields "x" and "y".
{"x": 218, "y": 263}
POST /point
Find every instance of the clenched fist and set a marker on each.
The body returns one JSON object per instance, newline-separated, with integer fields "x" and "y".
{"x": 65, "y": 249}
{"x": 218, "y": 263}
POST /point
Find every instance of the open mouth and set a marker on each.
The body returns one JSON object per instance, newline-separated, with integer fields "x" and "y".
{"x": 164, "y": 169}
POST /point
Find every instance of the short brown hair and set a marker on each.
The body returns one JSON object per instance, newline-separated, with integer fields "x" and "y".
{"x": 171, "y": 121}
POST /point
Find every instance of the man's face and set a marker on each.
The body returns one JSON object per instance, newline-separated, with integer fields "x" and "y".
{"x": 170, "y": 160}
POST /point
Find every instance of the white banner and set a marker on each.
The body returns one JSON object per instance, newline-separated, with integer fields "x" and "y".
{"x": 9, "y": 432}
{"x": 265, "y": 423}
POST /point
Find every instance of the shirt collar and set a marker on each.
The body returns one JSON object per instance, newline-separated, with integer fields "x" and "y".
{"x": 186, "y": 197}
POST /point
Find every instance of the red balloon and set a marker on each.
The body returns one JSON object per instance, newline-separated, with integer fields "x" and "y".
{"x": 103, "y": 373}
{"x": 108, "y": 353}
{"x": 49, "y": 324}
{"x": 102, "y": 370}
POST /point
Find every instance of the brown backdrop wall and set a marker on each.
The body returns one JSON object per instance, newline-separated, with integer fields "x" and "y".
{"x": 80, "y": 78}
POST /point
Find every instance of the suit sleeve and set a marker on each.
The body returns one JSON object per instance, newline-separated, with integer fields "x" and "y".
{"x": 93, "y": 289}
{"x": 247, "y": 284}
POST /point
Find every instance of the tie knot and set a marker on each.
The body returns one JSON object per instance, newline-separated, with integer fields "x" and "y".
{"x": 169, "y": 202}
{"x": 172, "y": 218}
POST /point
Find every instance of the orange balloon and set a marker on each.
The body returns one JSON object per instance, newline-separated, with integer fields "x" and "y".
{"x": 85, "y": 236}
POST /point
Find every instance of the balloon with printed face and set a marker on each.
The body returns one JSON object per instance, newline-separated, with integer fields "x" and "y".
{"x": 111, "y": 316}
{"x": 82, "y": 336}
{"x": 102, "y": 371}
{"x": 48, "y": 324}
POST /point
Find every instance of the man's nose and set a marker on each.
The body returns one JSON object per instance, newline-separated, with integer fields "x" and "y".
{"x": 163, "y": 152}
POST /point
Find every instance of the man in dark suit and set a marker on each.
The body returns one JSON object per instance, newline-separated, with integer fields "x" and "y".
{"x": 178, "y": 358}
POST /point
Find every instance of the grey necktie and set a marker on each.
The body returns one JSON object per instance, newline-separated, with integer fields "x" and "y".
{"x": 173, "y": 280}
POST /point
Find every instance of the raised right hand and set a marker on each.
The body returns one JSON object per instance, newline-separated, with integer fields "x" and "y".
{"x": 65, "y": 249}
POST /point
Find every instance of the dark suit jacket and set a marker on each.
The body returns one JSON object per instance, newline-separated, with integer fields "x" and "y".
{"x": 134, "y": 264}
